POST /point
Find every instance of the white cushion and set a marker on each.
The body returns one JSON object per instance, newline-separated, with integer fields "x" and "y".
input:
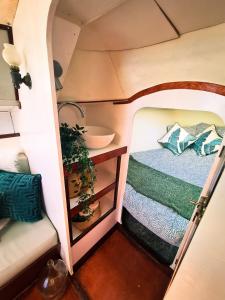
{"x": 9, "y": 148}
{"x": 22, "y": 243}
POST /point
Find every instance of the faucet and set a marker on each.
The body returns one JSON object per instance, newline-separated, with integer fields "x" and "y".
{"x": 61, "y": 104}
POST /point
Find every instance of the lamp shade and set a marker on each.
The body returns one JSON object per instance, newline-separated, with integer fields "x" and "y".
{"x": 10, "y": 55}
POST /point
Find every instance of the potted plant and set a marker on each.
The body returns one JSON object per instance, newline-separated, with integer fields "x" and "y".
{"x": 81, "y": 183}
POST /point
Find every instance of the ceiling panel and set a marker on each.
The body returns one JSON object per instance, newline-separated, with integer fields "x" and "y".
{"x": 86, "y": 10}
{"x": 190, "y": 15}
{"x": 134, "y": 24}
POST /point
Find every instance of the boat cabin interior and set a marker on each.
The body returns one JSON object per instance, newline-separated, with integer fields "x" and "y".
{"x": 112, "y": 149}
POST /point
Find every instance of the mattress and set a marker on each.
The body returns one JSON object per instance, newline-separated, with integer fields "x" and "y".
{"x": 161, "y": 220}
{"x": 22, "y": 243}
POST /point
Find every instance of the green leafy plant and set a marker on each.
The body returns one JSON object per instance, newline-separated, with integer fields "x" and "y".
{"x": 74, "y": 150}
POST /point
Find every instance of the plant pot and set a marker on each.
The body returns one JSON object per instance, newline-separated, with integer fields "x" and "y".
{"x": 74, "y": 185}
{"x": 95, "y": 215}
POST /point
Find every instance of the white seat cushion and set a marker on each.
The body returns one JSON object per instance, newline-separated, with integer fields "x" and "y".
{"x": 22, "y": 243}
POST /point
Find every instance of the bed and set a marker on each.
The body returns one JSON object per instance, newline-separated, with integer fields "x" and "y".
{"x": 160, "y": 225}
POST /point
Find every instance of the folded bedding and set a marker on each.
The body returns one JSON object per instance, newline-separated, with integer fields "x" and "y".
{"x": 163, "y": 188}
{"x": 160, "y": 219}
{"x": 188, "y": 166}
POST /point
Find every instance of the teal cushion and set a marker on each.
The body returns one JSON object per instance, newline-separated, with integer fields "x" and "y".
{"x": 20, "y": 196}
{"x": 177, "y": 139}
{"x": 208, "y": 142}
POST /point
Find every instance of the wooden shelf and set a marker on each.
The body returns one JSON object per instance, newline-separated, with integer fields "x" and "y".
{"x": 106, "y": 187}
{"x": 105, "y": 182}
{"x": 75, "y": 210}
{"x": 100, "y": 155}
{"x": 107, "y": 206}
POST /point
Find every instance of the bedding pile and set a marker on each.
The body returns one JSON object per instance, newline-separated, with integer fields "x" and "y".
{"x": 159, "y": 190}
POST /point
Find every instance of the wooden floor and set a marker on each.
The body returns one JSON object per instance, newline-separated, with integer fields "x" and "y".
{"x": 117, "y": 270}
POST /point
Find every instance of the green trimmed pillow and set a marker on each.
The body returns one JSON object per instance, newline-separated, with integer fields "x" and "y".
{"x": 20, "y": 196}
{"x": 208, "y": 142}
{"x": 177, "y": 139}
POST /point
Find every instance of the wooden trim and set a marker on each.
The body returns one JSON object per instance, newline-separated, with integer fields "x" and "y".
{"x": 26, "y": 277}
{"x": 74, "y": 211}
{"x": 68, "y": 209}
{"x": 108, "y": 155}
{"x": 5, "y": 27}
{"x": 118, "y": 164}
{"x": 100, "y": 158}
{"x": 93, "y": 225}
{"x": 187, "y": 85}
{"x": 95, "y": 101}
{"x": 9, "y": 135}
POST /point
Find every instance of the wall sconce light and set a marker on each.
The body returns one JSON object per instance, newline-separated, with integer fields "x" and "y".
{"x": 12, "y": 58}
{"x": 58, "y": 71}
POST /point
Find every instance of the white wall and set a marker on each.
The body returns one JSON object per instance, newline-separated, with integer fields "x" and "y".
{"x": 6, "y": 123}
{"x": 37, "y": 121}
{"x": 65, "y": 35}
{"x": 91, "y": 75}
{"x": 150, "y": 124}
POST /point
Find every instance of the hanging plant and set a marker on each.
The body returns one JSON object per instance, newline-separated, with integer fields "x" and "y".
{"x": 74, "y": 150}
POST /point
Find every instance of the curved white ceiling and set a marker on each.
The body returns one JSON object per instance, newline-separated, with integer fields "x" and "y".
{"x": 129, "y": 24}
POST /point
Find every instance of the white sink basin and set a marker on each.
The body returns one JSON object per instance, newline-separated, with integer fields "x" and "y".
{"x": 98, "y": 137}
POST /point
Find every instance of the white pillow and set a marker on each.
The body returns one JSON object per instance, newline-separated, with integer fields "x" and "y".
{"x": 9, "y": 148}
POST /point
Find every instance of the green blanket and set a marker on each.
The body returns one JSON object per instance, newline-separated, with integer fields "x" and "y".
{"x": 168, "y": 190}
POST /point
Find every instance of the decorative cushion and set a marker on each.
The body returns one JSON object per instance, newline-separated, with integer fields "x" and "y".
{"x": 22, "y": 163}
{"x": 177, "y": 139}
{"x": 190, "y": 129}
{"x": 20, "y": 197}
{"x": 207, "y": 142}
{"x": 202, "y": 126}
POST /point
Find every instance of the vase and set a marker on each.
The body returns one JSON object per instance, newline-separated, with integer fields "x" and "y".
{"x": 75, "y": 184}
{"x": 53, "y": 280}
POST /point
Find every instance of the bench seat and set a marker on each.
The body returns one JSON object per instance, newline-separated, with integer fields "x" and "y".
{"x": 22, "y": 243}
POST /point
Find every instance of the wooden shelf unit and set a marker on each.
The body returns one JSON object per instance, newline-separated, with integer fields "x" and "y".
{"x": 107, "y": 183}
